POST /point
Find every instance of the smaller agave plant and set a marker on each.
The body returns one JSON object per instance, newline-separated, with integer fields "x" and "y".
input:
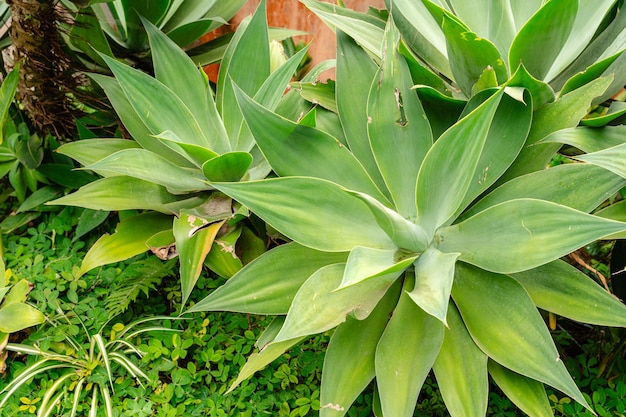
{"x": 428, "y": 233}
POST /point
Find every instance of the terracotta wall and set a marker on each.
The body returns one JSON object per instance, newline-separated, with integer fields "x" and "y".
{"x": 294, "y": 15}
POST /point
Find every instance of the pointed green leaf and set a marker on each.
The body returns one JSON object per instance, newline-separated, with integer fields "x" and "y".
{"x": 293, "y": 149}
{"x": 231, "y": 166}
{"x": 119, "y": 193}
{"x": 174, "y": 68}
{"x": 355, "y": 69}
{"x": 399, "y": 132}
{"x": 129, "y": 240}
{"x": 616, "y": 110}
{"x": 506, "y": 325}
{"x": 560, "y": 184}
{"x": 18, "y": 293}
{"x": 7, "y": 93}
{"x": 222, "y": 258}
{"x": 194, "y": 238}
{"x": 611, "y": 159}
{"x": 18, "y": 316}
{"x": 547, "y": 31}
{"x": 88, "y": 151}
{"x": 504, "y": 238}
{"x": 540, "y": 92}
{"x": 461, "y": 370}
{"x": 526, "y": 393}
{"x": 317, "y": 307}
{"x": 589, "y": 139}
{"x": 195, "y": 155}
{"x": 313, "y": 212}
{"x": 367, "y": 263}
{"x": 470, "y": 55}
{"x": 268, "y": 284}
{"x": 148, "y": 166}
{"x": 404, "y": 356}
{"x": 434, "y": 273}
{"x": 446, "y": 173}
{"x": 349, "y": 361}
{"x": 562, "y": 289}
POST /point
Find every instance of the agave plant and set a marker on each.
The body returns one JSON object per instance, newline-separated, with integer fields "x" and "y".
{"x": 184, "y": 136}
{"x": 429, "y": 234}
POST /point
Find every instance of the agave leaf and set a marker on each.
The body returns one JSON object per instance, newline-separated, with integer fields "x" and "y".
{"x": 560, "y": 184}
{"x": 174, "y": 68}
{"x": 526, "y": 393}
{"x": 195, "y": 154}
{"x": 589, "y": 139}
{"x": 546, "y": 31}
{"x": 186, "y": 34}
{"x": 355, "y": 69}
{"x": 349, "y": 361}
{"x": 540, "y": 92}
{"x": 251, "y": 39}
{"x": 313, "y": 212}
{"x": 18, "y": 316}
{"x": 317, "y": 307}
{"x": 185, "y": 12}
{"x": 365, "y": 29}
{"x": 399, "y": 132}
{"x": 434, "y": 273}
{"x": 119, "y": 193}
{"x": 194, "y": 238}
{"x": 158, "y": 107}
{"x": 611, "y": 159}
{"x": 562, "y": 289}
{"x": 222, "y": 258}
{"x": 442, "y": 111}
{"x": 470, "y": 55}
{"x": 268, "y": 284}
{"x": 597, "y": 70}
{"x": 516, "y": 228}
{"x": 445, "y": 175}
{"x": 616, "y": 110}
{"x": 366, "y": 263}
{"x": 461, "y": 370}
{"x": 129, "y": 240}
{"x": 564, "y": 113}
{"x": 148, "y": 166}
{"x": 7, "y": 92}
{"x": 615, "y": 211}
{"x": 89, "y": 151}
{"x": 404, "y": 356}
{"x": 500, "y": 315}
{"x": 293, "y": 149}
{"x": 230, "y": 166}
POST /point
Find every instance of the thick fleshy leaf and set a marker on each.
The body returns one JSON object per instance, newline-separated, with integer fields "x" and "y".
{"x": 505, "y": 238}
{"x": 526, "y": 393}
{"x": 268, "y": 284}
{"x": 18, "y": 316}
{"x": 405, "y": 234}
{"x": 446, "y": 172}
{"x": 317, "y": 307}
{"x": 434, "y": 273}
{"x": 230, "y": 166}
{"x": 7, "y": 93}
{"x": 119, "y": 193}
{"x": 365, "y": 263}
{"x": 366, "y": 29}
{"x": 616, "y": 110}
{"x": 562, "y": 289}
{"x": 158, "y": 107}
{"x": 404, "y": 356}
{"x": 470, "y": 55}
{"x": 355, "y": 69}
{"x": 564, "y": 113}
{"x": 461, "y": 370}
{"x": 89, "y": 151}
{"x": 540, "y": 92}
{"x": 194, "y": 238}
{"x": 590, "y": 139}
{"x": 442, "y": 111}
{"x": 148, "y": 166}
{"x": 293, "y": 149}
{"x": 129, "y": 240}
{"x": 398, "y": 129}
{"x": 611, "y": 159}
{"x": 174, "y": 68}
{"x": 349, "y": 363}
{"x": 313, "y": 212}
{"x": 547, "y": 31}
{"x": 560, "y": 185}
{"x": 506, "y": 325}
{"x": 617, "y": 212}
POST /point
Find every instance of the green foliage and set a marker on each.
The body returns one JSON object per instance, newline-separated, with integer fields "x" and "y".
{"x": 436, "y": 205}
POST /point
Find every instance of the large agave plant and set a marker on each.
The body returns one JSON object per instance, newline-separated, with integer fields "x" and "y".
{"x": 429, "y": 233}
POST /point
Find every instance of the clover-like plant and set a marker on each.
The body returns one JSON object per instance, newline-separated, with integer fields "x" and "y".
{"x": 424, "y": 236}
